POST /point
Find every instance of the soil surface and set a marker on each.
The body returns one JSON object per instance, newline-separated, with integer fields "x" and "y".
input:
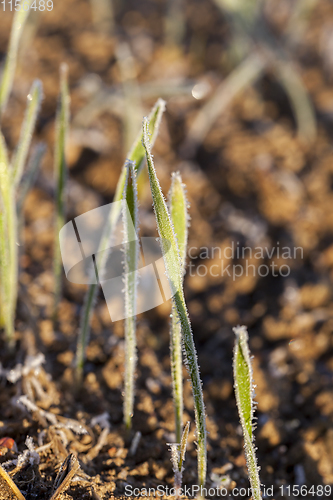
{"x": 252, "y": 181}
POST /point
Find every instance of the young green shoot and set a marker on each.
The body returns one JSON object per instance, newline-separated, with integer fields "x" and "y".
{"x": 136, "y": 155}
{"x": 174, "y": 271}
{"x": 8, "y": 246}
{"x": 20, "y": 18}
{"x": 244, "y": 388}
{"x": 60, "y": 170}
{"x": 131, "y": 245}
{"x": 179, "y": 216}
{"x": 177, "y": 459}
{"x": 34, "y": 100}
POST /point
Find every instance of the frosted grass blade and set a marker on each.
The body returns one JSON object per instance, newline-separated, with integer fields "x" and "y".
{"x": 178, "y": 211}
{"x": 131, "y": 244}
{"x": 33, "y": 104}
{"x": 60, "y": 170}
{"x": 243, "y": 380}
{"x": 20, "y": 18}
{"x": 174, "y": 272}
{"x": 8, "y": 247}
{"x": 137, "y": 155}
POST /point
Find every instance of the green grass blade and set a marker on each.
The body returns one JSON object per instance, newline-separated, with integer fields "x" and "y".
{"x": 33, "y": 104}
{"x": 179, "y": 216}
{"x": 20, "y": 18}
{"x": 8, "y": 246}
{"x": 243, "y": 379}
{"x": 60, "y": 170}
{"x": 136, "y": 155}
{"x": 174, "y": 272}
{"x": 131, "y": 241}
{"x": 30, "y": 175}
{"x": 178, "y": 206}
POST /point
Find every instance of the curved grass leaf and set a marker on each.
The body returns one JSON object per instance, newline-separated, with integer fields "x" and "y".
{"x": 60, "y": 170}
{"x": 178, "y": 211}
{"x": 20, "y": 18}
{"x": 174, "y": 272}
{"x": 33, "y": 104}
{"x": 136, "y": 155}
{"x": 243, "y": 379}
{"x": 131, "y": 244}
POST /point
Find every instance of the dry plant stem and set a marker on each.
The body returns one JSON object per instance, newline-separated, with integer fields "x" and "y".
{"x": 137, "y": 155}
{"x": 178, "y": 457}
{"x": 131, "y": 244}
{"x": 20, "y": 18}
{"x": 60, "y": 170}
{"x": 179, "y": 217}
{"x": 183, "y": 444}
{"x": 174, "y": 272}
{"x": 11, "y": 485}
{"x": 243, "y": 380}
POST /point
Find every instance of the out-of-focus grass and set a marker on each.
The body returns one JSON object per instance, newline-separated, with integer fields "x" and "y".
{"x": 255, "y": 48}
{"x": 20, "y": 18}
{"x": 8, "y": 247}
{"x": 10, "y": 177}
{"x": 60, "y": 171}
{"x": 20, "y": 157}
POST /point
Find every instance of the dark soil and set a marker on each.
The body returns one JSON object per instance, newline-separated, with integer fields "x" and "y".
{"x": 253, "y": 181}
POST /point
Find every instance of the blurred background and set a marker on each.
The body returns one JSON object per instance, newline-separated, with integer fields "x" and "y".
{"x": 248, "y": 123}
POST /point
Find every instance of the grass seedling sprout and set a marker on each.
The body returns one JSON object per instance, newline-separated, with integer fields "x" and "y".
{"x": 137, "y": 155}
{"x": 131, "y": 257}
{"x": 20, "y": 18}
{"x": 174, "y": 270}
{"x": 60, "y": 171}
{"x": 178, "y": 457}
{"x": 243, "y": 380}
{"x": 179, "y": 216}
